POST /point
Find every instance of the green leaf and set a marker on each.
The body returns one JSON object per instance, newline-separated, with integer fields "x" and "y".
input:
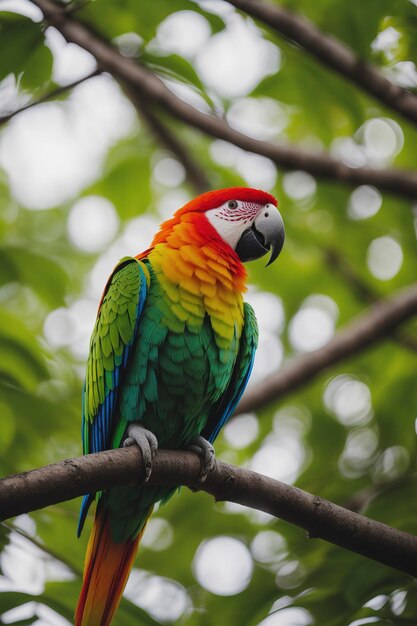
{"x": 40, "y": 272}
{"x": 176, "y": 67}
{"x": 22, "y": 50}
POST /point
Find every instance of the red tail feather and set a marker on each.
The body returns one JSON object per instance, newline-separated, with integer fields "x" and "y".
{"x": 106, "y": 570}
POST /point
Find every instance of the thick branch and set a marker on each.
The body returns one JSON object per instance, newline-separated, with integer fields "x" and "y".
{"x": 380, "y": 320}
{"x": 151, "y": 88}
{"x": 51, "y": 95}
{"x": 321, "y": 518}
{"x": 332, "y": 53}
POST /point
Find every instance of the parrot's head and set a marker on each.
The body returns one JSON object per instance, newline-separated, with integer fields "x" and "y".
{"x": 245, "y": 219}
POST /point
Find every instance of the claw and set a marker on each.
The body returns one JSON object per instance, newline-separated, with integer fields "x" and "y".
{"x": 147, "y": 442}
{"x": 206, "y": 453}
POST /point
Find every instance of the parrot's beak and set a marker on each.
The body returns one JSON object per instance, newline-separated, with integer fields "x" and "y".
{"x": 267, "y": 233}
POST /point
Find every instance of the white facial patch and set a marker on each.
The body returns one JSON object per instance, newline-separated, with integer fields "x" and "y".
{"x": 231, "y": 221}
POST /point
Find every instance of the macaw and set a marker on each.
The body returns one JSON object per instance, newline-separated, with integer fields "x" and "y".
{"x": 170, "y": 355}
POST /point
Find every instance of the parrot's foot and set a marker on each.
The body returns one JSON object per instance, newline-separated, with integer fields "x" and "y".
{"x": 206, "y": 453}
{"x": 147, "y": 442}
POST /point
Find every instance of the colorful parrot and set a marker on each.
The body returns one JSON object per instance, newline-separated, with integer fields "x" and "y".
{"x": 170, "y": 355}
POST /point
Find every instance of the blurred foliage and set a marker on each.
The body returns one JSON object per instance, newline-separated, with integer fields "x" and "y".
{"x": 42, "y": 271}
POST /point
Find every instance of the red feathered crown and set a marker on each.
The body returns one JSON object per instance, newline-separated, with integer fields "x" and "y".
{"x": 213, "y": 199}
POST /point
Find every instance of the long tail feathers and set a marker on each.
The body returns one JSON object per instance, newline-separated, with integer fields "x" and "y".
{"x": 106, "y": 570}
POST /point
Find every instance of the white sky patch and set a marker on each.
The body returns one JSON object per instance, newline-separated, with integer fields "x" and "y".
{"x": 235, "y": 60}
{"x": 23, "y": 7}
{"x": 70, "y": 61}
{"x": 51, "y": 152}
{"x": 223, "y": 565}
{"x": 403, "y": 73}
{"x": 183, "y": 33}
{"x": 261, "y": 118}
{"x": 387, "y": 41}
{"x": 92, "y": 223}
{"x": 384, "y": 258}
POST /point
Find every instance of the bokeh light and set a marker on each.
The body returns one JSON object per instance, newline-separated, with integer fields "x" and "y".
{"x": 183, "y": 32}
{"x": 269, "y": 547}
{"x": 159, "y": 534}
{"x": 292, "y": 616}
{"x": 365, "y": 201}
{"x": 223, "y": 565}
{"x": 349, "y": 400}
{"x": 384, "y": 258}
{"x": 241, "y": 431}
{"x": 299, "y": 185}
{"x": 92, "y": 223}
{"x": 235, "y": 60}
{"x": 164, "y": 599}
{"x": 313, "y": 325}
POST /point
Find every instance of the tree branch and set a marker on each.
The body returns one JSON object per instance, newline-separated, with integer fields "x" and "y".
{"x": 364, "y": 292}
{"x": 55, "y": 93}
{"x": 332, "y": 53}
{"x": 151, "y": 88}
{"x": 321, "y": 518}
{"x": 375, "y": 324}
{"x": 196, "y": 176}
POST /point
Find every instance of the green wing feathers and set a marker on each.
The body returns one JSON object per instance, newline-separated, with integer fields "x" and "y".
{"x": 113, "y": 335}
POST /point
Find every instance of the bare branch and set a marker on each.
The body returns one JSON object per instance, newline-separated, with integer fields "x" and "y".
{"x": 375, "y": 324}
{"x": 151, "y": 88}
{"x": 364, "y": 292}
{"x": 195, "y": 174}
{"x": 332, "y": 53}
{"x": 321, "y": 518}
{"x": 55, "y": 93}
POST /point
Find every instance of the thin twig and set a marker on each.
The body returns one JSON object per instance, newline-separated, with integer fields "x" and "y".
{"x": 373, "y": 325}
{"x": 333, "y": 53}
{"x": 321, "y": 518}
{"x": 151, "y": 88}
{"x": 55, "y": 93}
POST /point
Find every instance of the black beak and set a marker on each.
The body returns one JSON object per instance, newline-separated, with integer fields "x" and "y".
{"x": 266, "y": 233}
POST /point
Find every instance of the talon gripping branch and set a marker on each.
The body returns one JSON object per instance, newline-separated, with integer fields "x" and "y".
{"x": 170, "y": 356}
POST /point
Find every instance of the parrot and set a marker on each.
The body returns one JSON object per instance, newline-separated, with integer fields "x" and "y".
{"x": 170, "y": 355}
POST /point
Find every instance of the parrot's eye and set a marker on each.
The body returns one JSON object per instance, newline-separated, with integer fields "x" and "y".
{"x": 232, "y": 204}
